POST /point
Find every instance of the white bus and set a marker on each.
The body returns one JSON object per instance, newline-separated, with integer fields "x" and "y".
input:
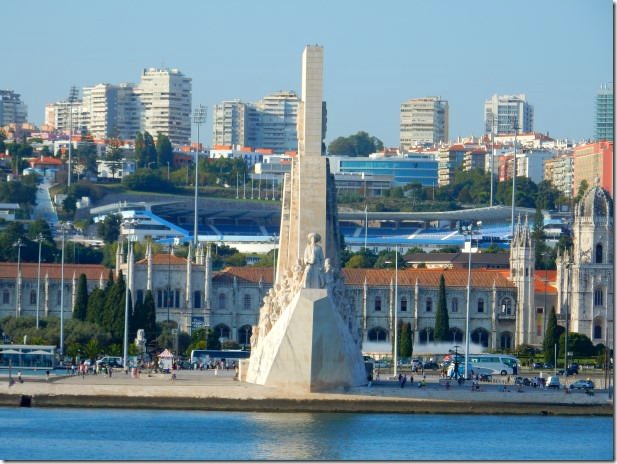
{"x": 502, "y": 364}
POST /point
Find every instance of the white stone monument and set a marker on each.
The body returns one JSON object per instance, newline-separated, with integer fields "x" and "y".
{"x": 307, "y": 338}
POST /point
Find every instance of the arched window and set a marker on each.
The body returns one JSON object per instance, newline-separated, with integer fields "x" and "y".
{"x": 480, "y": 336}
{"x": 480, "y": 305}
{"x": 505, "y": 341}
{"x": 597, "y": 331}
{"x": 6, "y": 297}
{"x": 456, "y": 335}
{"x": 426, "y": 335}
{"x": 197, "y": 299}
{"x": 404, "y": 304}
{"x": 244, "y": 335}
{"x": 222, "y": 331}
{"x": 429, "y": 304}
{"x": 222, "y": 301}
{"x": 377, "y": 303}
{"x": 32, "y": 297}
{"x": 377, "y": 334}
{"x": 454, "y": 305}
{"x": 598, "y": 297}
{"x": 506, "y": 306}
{"x": 599, "y": 253}
{"x": 247, "y": 301}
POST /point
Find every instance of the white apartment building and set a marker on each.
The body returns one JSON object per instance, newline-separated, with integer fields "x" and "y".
{"x": 112, "y": 110}
{"x": 269, "y": 123}
{"x": 423, "y": 121}
{"x": 165, "y": 97}
{"x": 559, "y": 170}
{"x": 161, "y": 102}
{"x": 12, "y": 109}
{"x": 229, "y": 124}
{"x": 504, "y": 113}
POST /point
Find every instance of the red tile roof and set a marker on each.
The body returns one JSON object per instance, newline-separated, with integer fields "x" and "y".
{"x": 426, "y": 277}
{"x": 245, "y": 274}
{"x": 159, "y": 259}
{"x": 54, "y": 270}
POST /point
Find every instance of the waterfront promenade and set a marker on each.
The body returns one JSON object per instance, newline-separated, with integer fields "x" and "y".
{"x": 203, "y": 390}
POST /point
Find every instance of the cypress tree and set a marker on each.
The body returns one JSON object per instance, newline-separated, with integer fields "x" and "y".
{"x": 148, "y": 316}
{"x": 405, "y": 347}
{"x": 442, "y": 323}
{"x": 551, "y": 338}
{"x": 113, "y": 313}
{"x": 81, "y": 299}
{"x": 96, "y": 303}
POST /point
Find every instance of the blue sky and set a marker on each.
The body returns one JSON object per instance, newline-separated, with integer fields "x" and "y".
{"x": 377, "y": 54}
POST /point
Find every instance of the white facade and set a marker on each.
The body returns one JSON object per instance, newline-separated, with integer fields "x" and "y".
{"x": 112, "y": 111}
{"x": 12, "y": 109}
{"x": 269, "y": 123}
{"x": 165, "y": 98}
{"x": 533, "y": 164}
{"x": 229, "y": 124}
{"x": 423, "y": 121}
{"x": 502, "y": 113}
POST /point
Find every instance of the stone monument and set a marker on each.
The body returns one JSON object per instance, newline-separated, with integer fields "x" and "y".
{"x": 307, "y": 337}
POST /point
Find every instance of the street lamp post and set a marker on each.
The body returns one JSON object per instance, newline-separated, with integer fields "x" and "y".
{"x": 72, "y": 99}
{"x": 19, "y": 243}
{"x": 468, "y": 231}
{"x": 171, "y": 247}
{"x": 565, "y": 344}
{"x": 39, "y": 239}
{"x": 515, "y": 126}
{"x": 129, "y": 253}
{"x": 62, "y": 295}
{"x": 395, "y": 357}
{"x": 544, "y": 255}
{"x": 199, "y": 117}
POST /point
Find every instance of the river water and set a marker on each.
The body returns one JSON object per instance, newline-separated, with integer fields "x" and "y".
{"x": 125, "y": 434}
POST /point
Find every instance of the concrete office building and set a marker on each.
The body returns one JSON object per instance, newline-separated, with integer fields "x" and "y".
{"x": 594, "y": 161}
{"x": 604, "y": 113}
{"x": 424, "y": 121}
{"x": 12, "y": 109}
{"x": 502, "y": 113}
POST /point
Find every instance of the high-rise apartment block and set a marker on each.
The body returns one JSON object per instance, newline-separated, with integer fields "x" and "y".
{"x": 503, "y": 114}
{"x": 423, "y": 121}
{"x": 165, "y": 99}
{"x": 604, "y": 113}
{"x": 161, "y": 102}
{"x": 269, "y": 123}
{"x": 229, "y": 123}
{"x": 558, "y": 170}
{"x": 12, "y": 109}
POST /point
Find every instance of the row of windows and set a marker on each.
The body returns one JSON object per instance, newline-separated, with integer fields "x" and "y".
{"x": 506, "y": 305}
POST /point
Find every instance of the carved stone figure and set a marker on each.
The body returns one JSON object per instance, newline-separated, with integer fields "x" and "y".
{"x": 313, "y": 261}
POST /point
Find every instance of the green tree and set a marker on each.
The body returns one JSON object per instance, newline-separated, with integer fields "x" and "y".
{"x": 140, "y": 150}
{"x": 582, "y": 188}
{"x": 405, "y": 342}
{"x": 109, "y": 228}
{"x": 81, "y": 299}
{"x": 164, "y": 150}
{"x": 442, "y": 323}
{"x": 550, "y": 337}
{"x": 149, "y": 315}
{"x": 96, "y": 302}
{"x": 212, "y": 340}
{"x": 149, "y": 149}
{"x": 579, "y": 344}
{"x": 113, "y": 312}
{"x": 359, "y": 144}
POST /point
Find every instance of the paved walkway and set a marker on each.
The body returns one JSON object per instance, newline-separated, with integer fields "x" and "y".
{"x": 205, "y": 384}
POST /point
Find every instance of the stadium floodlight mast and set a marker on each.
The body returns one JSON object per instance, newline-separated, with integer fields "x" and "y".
{"x": 199, "y": 117}
{"x": 515, "y": 128}
{"x": 72, "y": 99}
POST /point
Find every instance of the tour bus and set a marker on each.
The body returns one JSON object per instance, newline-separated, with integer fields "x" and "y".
{"x": 496, "y": 363}
{"x": 205, "y": 356}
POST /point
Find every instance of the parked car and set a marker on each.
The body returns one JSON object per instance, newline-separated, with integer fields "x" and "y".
{"x": 431, "y": 365}
{"x": 382, "y": 364}
{"x": 582, "y": 385}
{"x": 553, "y": 382}
{"x": 537, "y": 365}
{"x": 547, "y": 366}
{"x": 416, "y": 364}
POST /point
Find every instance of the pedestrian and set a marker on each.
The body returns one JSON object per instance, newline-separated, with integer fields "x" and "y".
{"x": 110, "y": 370}
{"x": 403, "y": 381}
{"x": 400, "y": 376}
{"x": 46, "y": 376}
{"x": 19, "y": 379}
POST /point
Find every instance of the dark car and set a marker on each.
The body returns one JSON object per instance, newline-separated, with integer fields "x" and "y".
{"x": 431, "y": 365}
{"x": 537, "y": 365}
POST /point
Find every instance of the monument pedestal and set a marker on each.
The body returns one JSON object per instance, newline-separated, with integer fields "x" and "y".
{"x": 308, "y": 349}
